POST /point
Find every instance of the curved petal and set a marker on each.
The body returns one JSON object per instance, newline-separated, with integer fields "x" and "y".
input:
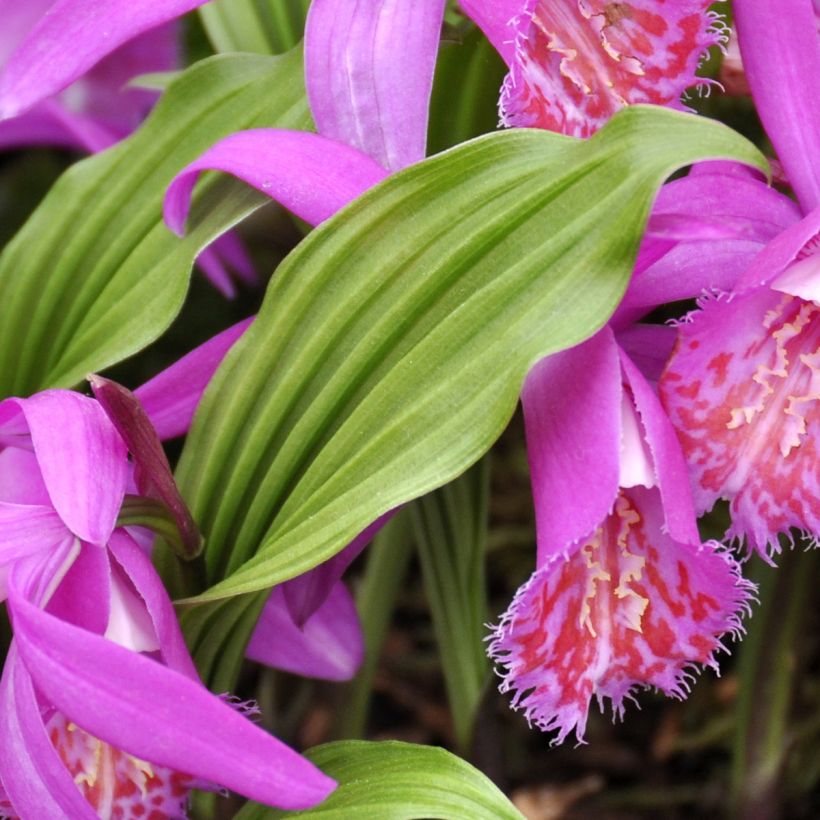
{"x": 35, "y": 780}
{"x": 494, "y": 18}
{"x": 631, "y": 608}
{"x": 224, "y": 259}
{"x": 307, "y": 592}
{"x": 311, "y": 176}
{"x": 170, "y": 399}
{"x": 572, "y": 415}
{"x": 21, "y": 481}
{"x": 369, "y": 73}
{"x": 82, "y": 458}
{"x": 71, "y": 38}
{"x": 781, "y": 252}
{"x": 26, "y": 530}
{"x": 781, "y": 54}
{"x": 670, "y": 467}
{"x": 83, "y": 595}
{"x": 141, "y": 707}
{"x": 139, "y": 569}
{"x": 330, "y": 645}
{"x": 577, "y": 62}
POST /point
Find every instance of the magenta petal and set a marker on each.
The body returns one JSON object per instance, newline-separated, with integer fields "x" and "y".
{"x": 83, "y": 596}
{"x": 330, "y": 646}
{"x": 170, "y": 399}
{"x": 139, "y": 569}
{"x": 34, "y": 778}
{"x": 493, "y": 18}
{"x": 572, "y": 415}
{"x": 781, "y": 252}
{"x": 311, "y": 176}
{"x": 157, "y": 714}
{"x": 305, "y": 593}
{"x": 21, "y": 481}
{"x": 369, "y": 72}
{"x": 50, "y": 124}
{"x": 223, "y": 259}
{"x": 781, "y": 55}
{"x": 71, "y": 38}
{"x": 82, "y": 458}
{"x": 670, "y": 467}
{"x": 649, "y": 347}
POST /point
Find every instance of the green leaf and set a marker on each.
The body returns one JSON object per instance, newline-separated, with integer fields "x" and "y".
{"x": 387, "y": 562}
{"x": 393, "y": 342}
{"x": 451, "y": 533}
{"x": 468, "y": 81}
{"x": 398, "y": 781}
{"x": 260, "y": 26}
{"x": 94, "y": 275}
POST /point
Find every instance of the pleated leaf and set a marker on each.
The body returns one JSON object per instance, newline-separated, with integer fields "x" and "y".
{"x": 393, "y": 342}
{"x": 398, "y": 781}
{"x": 451, "y": 534}
{"x": 258, "y": 26}
{"x": 94, "y": 275}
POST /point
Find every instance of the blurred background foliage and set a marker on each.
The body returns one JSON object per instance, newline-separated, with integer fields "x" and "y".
{"x": 744, "y": 744}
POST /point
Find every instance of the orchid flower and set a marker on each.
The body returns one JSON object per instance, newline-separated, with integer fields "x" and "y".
{"x": 49, "y": 98}
{"x": 105, "y": 711}
{"x": 574, "y": 63}
{"x": 624, "y": 593}
{"x": 743, "y": 384}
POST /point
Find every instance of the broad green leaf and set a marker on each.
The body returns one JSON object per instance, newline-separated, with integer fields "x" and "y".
{"x": 464, "y": 103}
{"x": 94, "y": 275}
{"x": 398, "y": 781}
{"x": 393, "y": 342}
{"x": 387, "y": 562}
{"x": 259, "y": 26}
{"x": 451, "y": 534}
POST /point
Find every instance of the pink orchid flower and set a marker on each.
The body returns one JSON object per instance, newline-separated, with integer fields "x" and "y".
{"x": 743, "y": 384}
{"x": 574, "y": 63}
{"x": 104, "y": 708}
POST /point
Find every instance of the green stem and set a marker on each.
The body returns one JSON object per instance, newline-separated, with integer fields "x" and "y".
{"x": 768, "y": 662}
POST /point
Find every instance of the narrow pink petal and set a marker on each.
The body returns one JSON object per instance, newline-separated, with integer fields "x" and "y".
{"x": 139, "y": 569}
{"x": 630, "y": 608}
{"x": 306, "y": 593}
{"x": 225, "y": 258}
{"x": 781, "y": 54}
{"x": 50, "y": 124}
{"x": 572, "y": 414}
{"x": 170, "y": 399}
{"x": 667, "y": 457}
{"x": 71, "y": 38}
{"x": 141, "y": 707}
{"x": 790, "y": 245}
{"x": 330, "y": 645}
{"x": 34, "y": 778}
{"x": 743, "y": 391}
{"x": 801, "y": 279}
{"x": 369, "y": 71}
{"x": 577, "y": 62}
{"x": 494, "y": 18}
{"x": 311, "y": 176}
{"x": 18, "y": 20}
{"x": 82, "y": 458}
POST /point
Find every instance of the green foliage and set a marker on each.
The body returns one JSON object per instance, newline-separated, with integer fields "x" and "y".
{"x": 259, "y": 26}
{"x": 393, "y": 342}
{"x": 451, "y": 533}
{"x": 398, "y": 781}
{"x": 94, "y": 275}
